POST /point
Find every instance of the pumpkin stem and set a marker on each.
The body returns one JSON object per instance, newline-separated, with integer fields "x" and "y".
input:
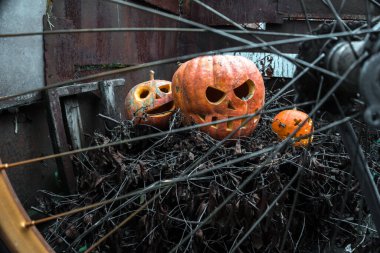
{"x": 151, "y": 75}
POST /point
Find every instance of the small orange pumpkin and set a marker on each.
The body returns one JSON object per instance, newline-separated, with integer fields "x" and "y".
{"x": 150, "y": 103}
{"x": 211, "y": 88}
{"x": 287, "y": 121}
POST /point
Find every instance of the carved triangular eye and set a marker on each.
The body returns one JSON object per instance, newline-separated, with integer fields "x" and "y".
{"x": 165, "y": 88}
{"x": 246, "y": 90}
{"x": 214, "y": 96}
{"x": 142, "y": 93}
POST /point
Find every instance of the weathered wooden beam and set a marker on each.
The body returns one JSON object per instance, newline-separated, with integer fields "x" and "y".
{"x": 107, "y": 91}
{"x": 20, "y": 101}
{"x": 79, "y": 88}
{"x": 74, "y": 121}
{"x": 59, "y": 139}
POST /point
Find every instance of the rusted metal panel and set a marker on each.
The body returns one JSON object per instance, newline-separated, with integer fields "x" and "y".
{"x": 198, "y": 42}
{"x": 352, "y": 9}
{"x": 242, "y": 12}
{"x": 173, "y": 6}
{"x": 59, "y": 52}
{"x": 67, "y": 56}
{"x": 125, "y": 48}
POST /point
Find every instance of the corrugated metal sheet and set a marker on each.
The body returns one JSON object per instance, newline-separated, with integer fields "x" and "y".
{"x": 271, "y": 65}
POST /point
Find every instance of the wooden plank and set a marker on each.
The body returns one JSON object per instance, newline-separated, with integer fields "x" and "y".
{"x": 108, "y": 99}
{"x": 79, "y": 88}
{"x": 20, "y": 101}
{"x": 74, "y": 121}
{"x": 59, "y": 139}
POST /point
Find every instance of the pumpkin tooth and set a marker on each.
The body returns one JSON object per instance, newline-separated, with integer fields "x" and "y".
{"x": 214, "y": 119}
{"x": 229, "y": 125}
{"x": 245, "y": 126}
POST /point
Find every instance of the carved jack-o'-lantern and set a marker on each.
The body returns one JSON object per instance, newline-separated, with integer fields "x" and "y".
{"x": 288, "y": 121}
{"x": 150, "y": 103}
{"x": 211, "y": 88}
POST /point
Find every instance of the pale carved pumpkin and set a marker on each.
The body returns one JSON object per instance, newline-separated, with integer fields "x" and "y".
{"x": 211, "y": 88}
{"x": 150, "y": 103}
{"x": 288, "y": 121}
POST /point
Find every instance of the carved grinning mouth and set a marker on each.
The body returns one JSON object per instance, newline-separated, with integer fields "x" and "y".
{"x": 162, "y": 110}
{"x": 229, "y": 123}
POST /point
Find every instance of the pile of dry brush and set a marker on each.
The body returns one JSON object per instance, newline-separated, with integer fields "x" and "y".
{"x": 322, "y": 206}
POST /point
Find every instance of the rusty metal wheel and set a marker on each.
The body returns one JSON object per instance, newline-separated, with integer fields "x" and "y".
{"x": 13, "y": 220}
{"x": 327, "y": 56}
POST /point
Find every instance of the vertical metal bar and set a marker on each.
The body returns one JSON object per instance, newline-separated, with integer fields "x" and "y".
{"x": 59, "y": 139}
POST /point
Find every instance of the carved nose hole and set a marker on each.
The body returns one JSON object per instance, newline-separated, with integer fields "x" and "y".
{"x": 230, "y": 106}
{"x": 246, "y": 90}
{"x": 165, "y": 88}
{"x": 158, "y": 96}
{"x": 215, "y": 96}
{"x": 229, "y": 125}
{"x": 202, "y": 117}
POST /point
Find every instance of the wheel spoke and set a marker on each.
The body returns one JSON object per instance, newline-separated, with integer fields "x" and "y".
{"x": 147, "y": 29}
{"x": 279, "y": 147}
{"x": 269, "y": 208}
{"x": 143, "y": 198}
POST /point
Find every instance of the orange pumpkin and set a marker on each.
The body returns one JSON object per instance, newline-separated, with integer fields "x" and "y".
{"x": 150, "y": 103}
{"x": 211, "y": 88}
{"x": 287, "y": 121}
